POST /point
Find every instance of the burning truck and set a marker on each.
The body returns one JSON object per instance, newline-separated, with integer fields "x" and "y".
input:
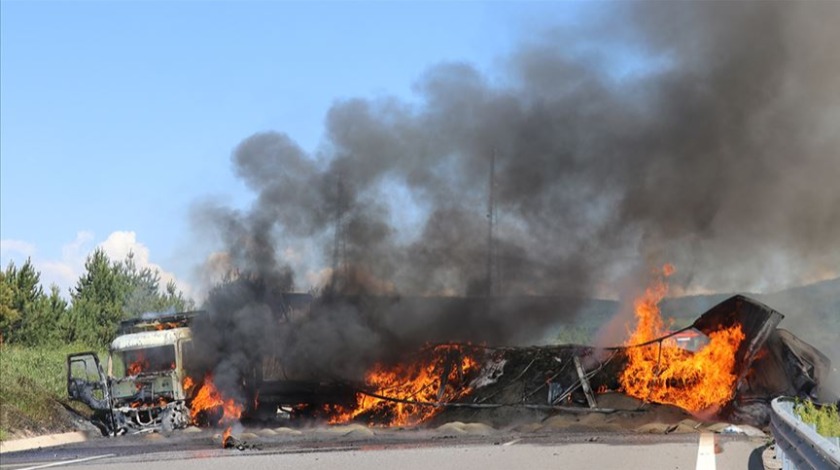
{"x": 144, "y": 384}
{"x": 152, "y": 381}
{"x": 728, "y": 365}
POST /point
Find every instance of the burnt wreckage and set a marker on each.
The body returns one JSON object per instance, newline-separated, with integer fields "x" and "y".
{"x": 768, "y": 362}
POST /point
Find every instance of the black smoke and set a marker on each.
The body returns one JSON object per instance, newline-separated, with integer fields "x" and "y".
{"x": 703, "y": 134}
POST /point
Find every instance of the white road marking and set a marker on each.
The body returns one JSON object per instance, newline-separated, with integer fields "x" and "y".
{"x": 510, "y": 443}
{"x": 68, "y": 462}
{"x": 706, "y": 452}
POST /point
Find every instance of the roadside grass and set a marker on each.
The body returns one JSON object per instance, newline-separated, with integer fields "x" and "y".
{"x": 825, "y": 417}
{"x": 33, "y": 390}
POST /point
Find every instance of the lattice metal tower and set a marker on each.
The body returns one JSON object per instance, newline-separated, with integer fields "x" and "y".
{"x": 492, "y": 274}
{"x": 339, "y": 264}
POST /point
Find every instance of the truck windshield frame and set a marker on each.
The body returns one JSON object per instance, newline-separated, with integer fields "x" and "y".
{"x": 131, "y": 362}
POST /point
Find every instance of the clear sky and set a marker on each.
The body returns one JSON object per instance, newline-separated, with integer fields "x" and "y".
{"x": 118, "y": 116}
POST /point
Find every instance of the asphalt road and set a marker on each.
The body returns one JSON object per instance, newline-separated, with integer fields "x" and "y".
{"x": 355, "y": 448}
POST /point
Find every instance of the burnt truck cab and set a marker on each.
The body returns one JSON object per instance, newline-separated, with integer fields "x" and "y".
{"x": 143, "y": 387}
{"x": 143, "y": 384}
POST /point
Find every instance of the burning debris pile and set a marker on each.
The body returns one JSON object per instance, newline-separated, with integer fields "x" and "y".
{"x": 742, "y": 363}
{"x": 407, "y": 394}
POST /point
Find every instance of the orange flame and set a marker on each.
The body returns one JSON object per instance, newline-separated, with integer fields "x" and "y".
{"x": 161, "y": 401}
{"x": 188, "y": 383}
{"x": 664, "y": 373}
{"x": 139, "y": 365}
{"x": 226, "y": 437}
{"x": 208, "y": 398}
{"x": 399, "y": 390}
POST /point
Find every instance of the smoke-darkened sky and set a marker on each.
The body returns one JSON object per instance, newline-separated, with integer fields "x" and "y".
{"x": 699, "y": 134}
{"x": 703, "y": 135}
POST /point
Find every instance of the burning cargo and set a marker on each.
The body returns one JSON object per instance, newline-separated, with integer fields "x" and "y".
{"x": 745, "y": 363}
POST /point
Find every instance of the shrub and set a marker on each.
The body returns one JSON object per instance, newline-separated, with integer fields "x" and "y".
{"x": 824, "y": 417}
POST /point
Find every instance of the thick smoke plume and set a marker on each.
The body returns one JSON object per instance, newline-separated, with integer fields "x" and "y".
{"x": 703, "y": 134}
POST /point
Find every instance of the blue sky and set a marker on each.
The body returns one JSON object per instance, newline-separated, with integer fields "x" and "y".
{"x": 117, "y": 116}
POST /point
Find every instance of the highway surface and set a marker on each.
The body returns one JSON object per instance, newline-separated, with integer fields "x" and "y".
{"x": 355, "y": 447}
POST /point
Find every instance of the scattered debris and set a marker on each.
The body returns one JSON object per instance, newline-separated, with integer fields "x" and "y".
{"x": 229, "y": 441}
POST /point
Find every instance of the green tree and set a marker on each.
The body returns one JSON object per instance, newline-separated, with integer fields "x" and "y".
{"x": 42, "y": 324}
{"x": 48, "y": 324}
{"x": 23, "y": 295}
{"x": 174, "y": 299}
{"x": 98, "y": 300}
{"x": 111, "y": 291}
{"x": 9, "y": 315}
{"x": 144, "y": 293}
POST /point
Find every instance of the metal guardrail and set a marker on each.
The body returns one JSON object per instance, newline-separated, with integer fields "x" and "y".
{"x": 798, "y": 445}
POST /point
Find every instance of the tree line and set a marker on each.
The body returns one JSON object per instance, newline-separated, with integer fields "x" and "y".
{"x": 106, "y": 293}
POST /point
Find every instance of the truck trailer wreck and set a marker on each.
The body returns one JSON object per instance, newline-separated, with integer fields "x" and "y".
{"x": 767, "y": 362}
{"x": 150, "y": 383}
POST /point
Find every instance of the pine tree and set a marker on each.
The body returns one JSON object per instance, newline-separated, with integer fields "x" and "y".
{"x": 9, "y": 315}
{"x": 144, "y": 293}
{"x": 175, "y": 300}
{"x": 143, "y": 288}
{"x": 109, "y": 292}
{"x": 22, "y": 296}
{"x": 53, "y": 314}
{"x": 98, "y": 300}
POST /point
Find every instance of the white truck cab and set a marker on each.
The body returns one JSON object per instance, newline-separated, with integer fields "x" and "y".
{"x": 144, "y": 386}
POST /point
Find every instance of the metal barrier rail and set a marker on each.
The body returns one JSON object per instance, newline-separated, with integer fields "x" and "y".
{"x": 798, "y": 445}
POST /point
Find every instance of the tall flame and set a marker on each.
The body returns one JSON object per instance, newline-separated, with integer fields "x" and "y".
{"x": 664, "y": 373}
{"x": 398, "y": 391}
